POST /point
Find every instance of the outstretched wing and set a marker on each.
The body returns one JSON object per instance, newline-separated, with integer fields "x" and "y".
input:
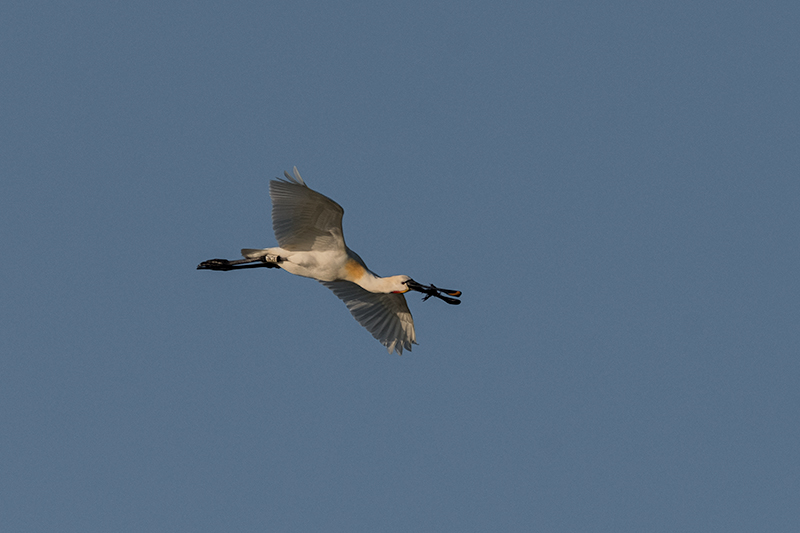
{"x": 386, "y": 316}
{"x": 304, "y": 220}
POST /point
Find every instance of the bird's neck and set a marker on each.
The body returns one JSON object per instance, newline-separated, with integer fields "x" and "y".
{"x": 361, "y": 276}
{"x": 373, "y": 283}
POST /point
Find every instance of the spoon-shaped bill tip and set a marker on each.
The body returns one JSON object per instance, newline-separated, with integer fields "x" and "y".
{"x": 433, "y": 290}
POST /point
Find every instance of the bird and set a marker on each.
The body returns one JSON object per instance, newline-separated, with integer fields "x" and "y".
{"x": 308, "y": 228}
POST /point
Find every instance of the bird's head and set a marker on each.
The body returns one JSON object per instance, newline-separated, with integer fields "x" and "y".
{"x": 402, "y": 284}
{"x": 399, "y": 284}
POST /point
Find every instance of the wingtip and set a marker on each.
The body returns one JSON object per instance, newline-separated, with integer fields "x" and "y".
{"x": 397, "y": 346}
{"x": 294, "y": 178}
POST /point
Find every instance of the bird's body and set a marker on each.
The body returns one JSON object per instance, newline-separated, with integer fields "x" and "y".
{"x": 308, "y": 226}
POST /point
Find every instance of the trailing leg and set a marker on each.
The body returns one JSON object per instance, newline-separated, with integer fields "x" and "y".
{"x": 265, "y": 261}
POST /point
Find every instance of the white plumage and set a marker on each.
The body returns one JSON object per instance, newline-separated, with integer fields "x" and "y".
{"x": 308, "y": 226}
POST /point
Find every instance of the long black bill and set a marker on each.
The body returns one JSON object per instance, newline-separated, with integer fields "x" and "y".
{"x": 224, "y": 264}
{"x": 433, "y": 290}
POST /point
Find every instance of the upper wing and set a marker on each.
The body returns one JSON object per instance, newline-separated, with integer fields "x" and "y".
{"x": 386, "y": 316}
{"x": 303, "y": 219}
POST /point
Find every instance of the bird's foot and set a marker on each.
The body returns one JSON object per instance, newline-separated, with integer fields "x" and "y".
{"x": 268, "y": 261}
{"x": 215, "y": 264}
{"x": 225, "y": 264}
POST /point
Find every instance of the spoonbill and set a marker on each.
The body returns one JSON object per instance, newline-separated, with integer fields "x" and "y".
{"x": 308, "y": 227}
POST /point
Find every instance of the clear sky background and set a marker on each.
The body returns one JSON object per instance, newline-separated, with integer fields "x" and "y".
{"x": 613, "y": 185}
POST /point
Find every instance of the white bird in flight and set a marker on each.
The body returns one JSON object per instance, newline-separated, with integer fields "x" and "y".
{"x": 308, "y": 226}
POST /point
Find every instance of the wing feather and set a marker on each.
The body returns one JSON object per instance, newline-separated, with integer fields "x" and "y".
{"x": 303, "y": 219}
{"x": 385, "y": 316}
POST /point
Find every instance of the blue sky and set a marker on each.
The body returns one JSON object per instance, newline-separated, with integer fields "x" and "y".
{"x": 613, "y": 185}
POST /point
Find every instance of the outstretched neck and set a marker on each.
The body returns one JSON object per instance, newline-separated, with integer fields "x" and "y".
{"x": 361, "y": 276}
{"x": 373, "y": 283}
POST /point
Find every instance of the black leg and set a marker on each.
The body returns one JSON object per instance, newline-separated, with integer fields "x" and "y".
{"x": 237, "y": 264}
